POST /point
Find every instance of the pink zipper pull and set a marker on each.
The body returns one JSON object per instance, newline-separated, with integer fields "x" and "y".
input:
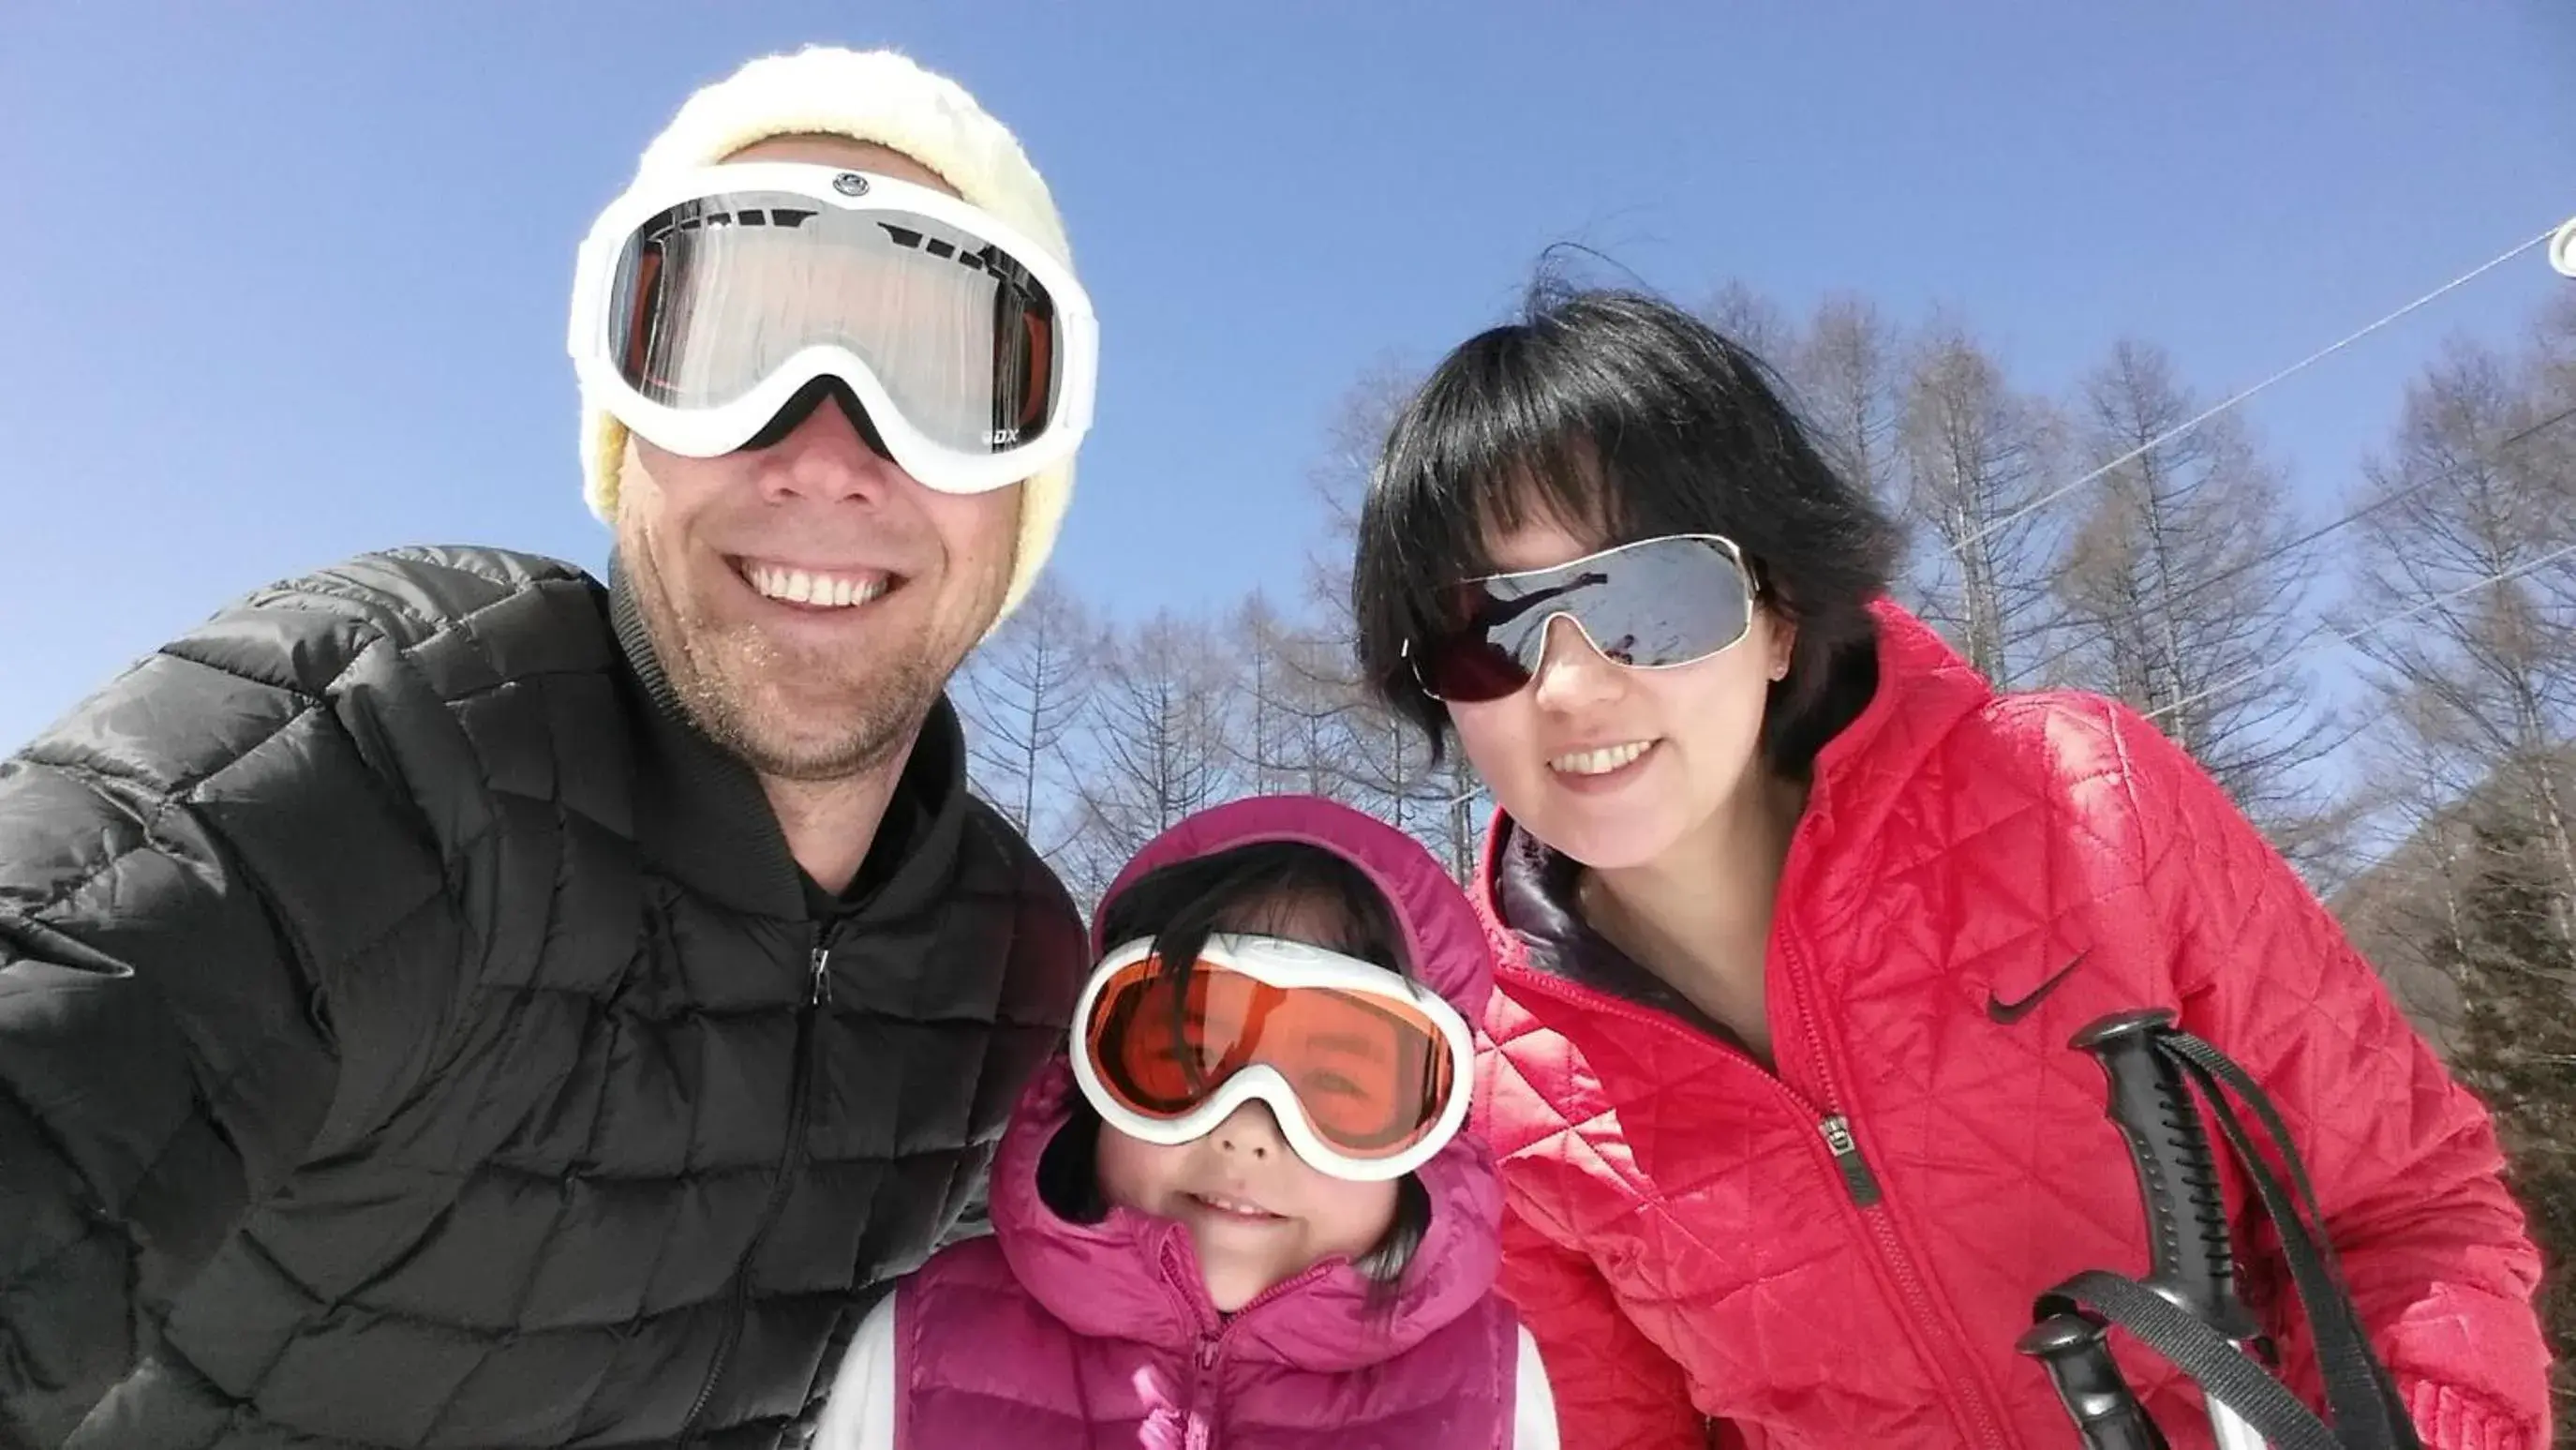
{"x": 1202, "y": 1414}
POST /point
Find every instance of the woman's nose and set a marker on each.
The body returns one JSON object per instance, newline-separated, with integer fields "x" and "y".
{"x": 1571, "y": 672}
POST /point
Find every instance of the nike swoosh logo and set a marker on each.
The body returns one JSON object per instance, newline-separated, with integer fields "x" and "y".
{"x": 2005, "y": 1014}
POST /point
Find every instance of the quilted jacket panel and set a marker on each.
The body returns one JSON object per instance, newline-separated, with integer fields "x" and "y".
{"x": 1701, "y": 1264}
{"x": 412, "y": 1034}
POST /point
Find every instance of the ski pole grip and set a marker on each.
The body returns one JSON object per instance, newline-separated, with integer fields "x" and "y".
{"x": 2105, "y": 1410}
{"x": 2194, "y": 1256}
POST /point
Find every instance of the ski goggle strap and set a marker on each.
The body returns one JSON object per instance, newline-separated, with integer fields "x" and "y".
{"x": 708, "y": 300}
{"x": 1654, "y": 604}
{"x": 1365, "y": 1073}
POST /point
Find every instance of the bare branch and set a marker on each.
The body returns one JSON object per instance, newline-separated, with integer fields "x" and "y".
{"x": 1974, "y": 456}
{"x": 1023, "y": 696}
{"x": 2186, "y": 595}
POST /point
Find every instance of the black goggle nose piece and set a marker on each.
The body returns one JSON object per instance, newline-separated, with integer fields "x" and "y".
{"x": 800, "y": 407}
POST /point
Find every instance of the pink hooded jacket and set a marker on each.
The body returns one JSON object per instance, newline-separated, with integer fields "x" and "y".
{"x": 1056, "y": 1333}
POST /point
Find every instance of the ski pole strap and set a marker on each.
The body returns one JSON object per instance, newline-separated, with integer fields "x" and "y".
{"x": 2367, "y": 1412}
{"x": 2224, "y": 1372}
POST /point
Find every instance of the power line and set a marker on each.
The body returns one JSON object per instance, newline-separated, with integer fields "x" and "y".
{"x": 2356, "y": 636}
{"x": 2486, "y": 458}
{"x": 2242, "y": 394}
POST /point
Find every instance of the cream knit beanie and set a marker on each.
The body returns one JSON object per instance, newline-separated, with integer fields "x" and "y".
{"x": 881, "y": 97}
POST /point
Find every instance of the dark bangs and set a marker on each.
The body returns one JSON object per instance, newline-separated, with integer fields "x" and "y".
{"x": 1264, "y": 888}
{"x": 1617, "y": 417}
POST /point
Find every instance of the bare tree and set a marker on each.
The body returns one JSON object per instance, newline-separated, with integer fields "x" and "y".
{"x": 1465, "y": 808}
{"x": 1161, "y": 744}
{"x": 1846, "y": 374}
{"x": 2187, "y": 592}
{"x": 2403, "y": 910}
{"x": 1024, "y": 694}
{"x": 1975, "y": 461}
{"x": 1391, "y": 775}
{"x": 2465, "y": 530}
{"x": 1293, "y": 711}
{"x": 1847, "y": 378}
{"x": 1339, "y": 481}
{"x": 2553, "y": 352}
{"x": 2465, "y": 611}
{"x": 1382, "y": 763}
{"x": 1753, "y": 322}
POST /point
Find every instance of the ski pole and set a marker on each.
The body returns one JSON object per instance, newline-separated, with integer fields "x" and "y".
{"x": 2194, "y": 1258}
{"x": 2105, "y": 1410}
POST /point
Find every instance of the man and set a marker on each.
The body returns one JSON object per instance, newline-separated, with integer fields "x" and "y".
{"x": 446, "y": 1000}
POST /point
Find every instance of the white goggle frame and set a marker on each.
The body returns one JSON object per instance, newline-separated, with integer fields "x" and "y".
{"x": 1284, "y": 964}
{"x": 710, "y": 432}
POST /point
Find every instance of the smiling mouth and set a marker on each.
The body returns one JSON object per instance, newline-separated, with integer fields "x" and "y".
{"x": 814, "y": 588}
{"x": 1234, "y": 1208}
{"x": 1602, "y": 761}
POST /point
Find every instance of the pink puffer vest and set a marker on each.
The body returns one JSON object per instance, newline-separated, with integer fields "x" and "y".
{"x": 1051, "y": 1333}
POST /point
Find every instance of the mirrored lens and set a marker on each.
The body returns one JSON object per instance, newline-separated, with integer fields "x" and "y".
{"x": 1653, "y": 604}
{"x": 715, "y": 295}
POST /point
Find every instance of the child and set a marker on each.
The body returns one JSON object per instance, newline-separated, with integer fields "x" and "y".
{"x": 1238, "y": 1212}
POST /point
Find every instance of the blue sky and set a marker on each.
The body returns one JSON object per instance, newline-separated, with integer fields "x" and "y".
{"x": 285, "y": 282}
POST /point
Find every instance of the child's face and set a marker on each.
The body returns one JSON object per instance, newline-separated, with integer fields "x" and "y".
{"x": 1255, "y": 1211}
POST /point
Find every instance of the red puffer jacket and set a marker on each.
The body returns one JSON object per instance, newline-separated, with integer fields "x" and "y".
{"x": 1843, "y": 1251}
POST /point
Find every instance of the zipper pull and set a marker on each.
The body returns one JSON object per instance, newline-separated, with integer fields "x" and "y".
{"x": 822, "y": 992}
{"x": 1857, "y": 1178}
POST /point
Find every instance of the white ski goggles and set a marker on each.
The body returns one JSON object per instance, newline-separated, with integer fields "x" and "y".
{"x": 1366, "y": 1073}
{"x": 704, "y": 303}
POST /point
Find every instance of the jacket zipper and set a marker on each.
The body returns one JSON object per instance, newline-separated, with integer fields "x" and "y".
{"x": 1918, "y": 1296}
{"x": 1857, "y": 1179}
{"x": 1200, "y": 1433}
{"x": 1832, "y": 1125}
{"x": 791, "y": 1160}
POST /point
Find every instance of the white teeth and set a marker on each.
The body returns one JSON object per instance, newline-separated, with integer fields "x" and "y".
{"x": 1599, "y": 762}
{"x": 797, "y": 586}
{"x": 1228, "y": 1205}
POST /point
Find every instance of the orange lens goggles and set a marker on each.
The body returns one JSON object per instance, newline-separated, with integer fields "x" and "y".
{"x": 1369, "y": 1067}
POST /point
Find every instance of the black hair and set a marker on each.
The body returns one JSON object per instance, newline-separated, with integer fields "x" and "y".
{"x": 1252, "y": 889}
{"x": 1617, "y": 415}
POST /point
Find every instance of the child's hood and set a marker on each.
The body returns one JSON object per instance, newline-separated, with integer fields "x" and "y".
{"x": 1443, "y": 939}
{"x": 1134, "y": 1277}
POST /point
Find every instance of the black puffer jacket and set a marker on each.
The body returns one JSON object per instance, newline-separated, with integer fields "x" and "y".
{"x": 411, "y": 1034}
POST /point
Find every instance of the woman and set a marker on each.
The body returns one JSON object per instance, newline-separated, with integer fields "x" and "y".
{"x": 1797, "y": 917}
